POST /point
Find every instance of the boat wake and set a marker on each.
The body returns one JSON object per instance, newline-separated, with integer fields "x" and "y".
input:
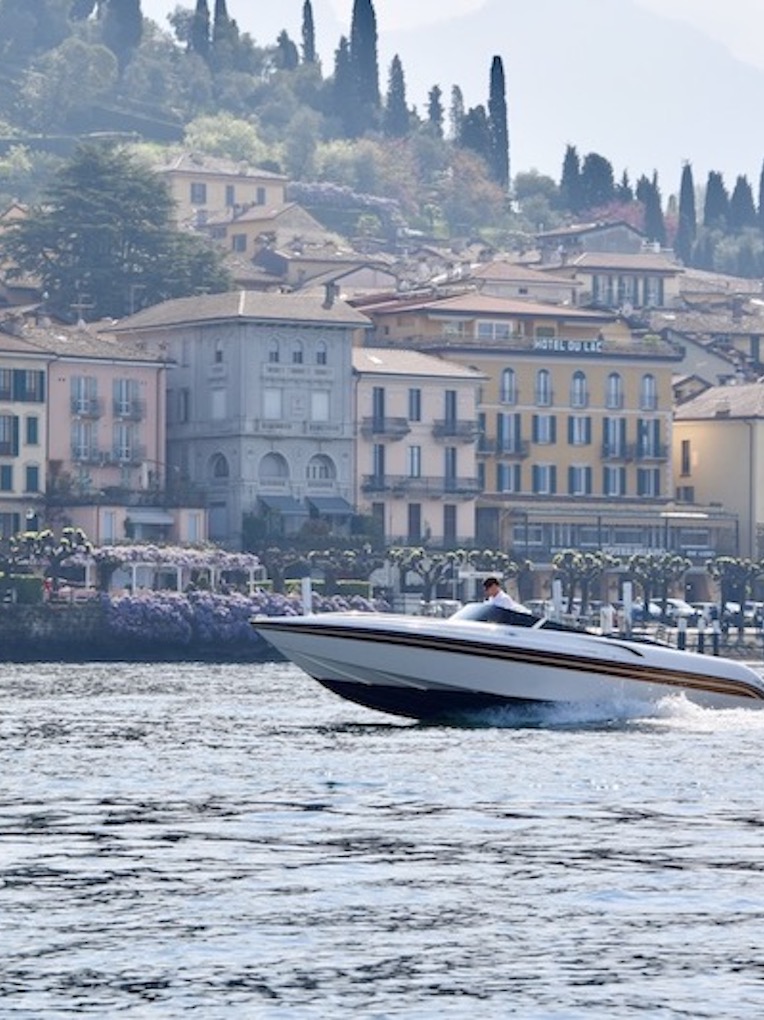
{"x": 671, "y": 713}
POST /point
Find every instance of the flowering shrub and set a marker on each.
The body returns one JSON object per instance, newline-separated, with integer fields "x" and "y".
{"x": 208, "y": 620}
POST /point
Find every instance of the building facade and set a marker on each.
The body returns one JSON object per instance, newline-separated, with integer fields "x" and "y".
{"x": 259, "y": 405}
{"x": 416, "y": 455}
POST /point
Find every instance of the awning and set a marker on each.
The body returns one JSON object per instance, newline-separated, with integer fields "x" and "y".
{"x": 330, "y": 505}
{"x": 283, "y": 505}
{"x": 141, "y": 515}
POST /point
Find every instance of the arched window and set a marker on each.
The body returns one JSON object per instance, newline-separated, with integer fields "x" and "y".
{"x": 614, "y": 392}
{"x": 320, "y": 468}
{"x": 321, "y": 354}
{"x": 543, "y": 388}
{"x": 579, "y": 396}
{"x": 648, "y": 394}
{"x": 219, "y": 469}
{"x": 273, "y": 352}
{"x": 508, "y": 393}
{"x": 297, "y": 352}
{"x": 273, "y": 468}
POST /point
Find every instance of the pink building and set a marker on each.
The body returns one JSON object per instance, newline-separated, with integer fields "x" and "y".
{"x": 101, "y": 438}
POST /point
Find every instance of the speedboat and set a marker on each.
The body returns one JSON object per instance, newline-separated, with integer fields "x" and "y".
{"x": 484, "y": 656}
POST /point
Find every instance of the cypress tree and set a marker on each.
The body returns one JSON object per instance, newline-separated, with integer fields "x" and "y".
{"x": 396, "y": 119}
{"x": 497, "y": 121}
{"x": 655, "y": 226}
{"x": 742, "y": 210}
{"x": 343, "y": 88}
{"x": 760, "y": 217}
{"x": 570, "y": 182}
{"x": 363, "y": 54}
{"x": 456, "y": 112}
{"x": 435, "y": 113}
{"x": 199, "y": 41}
{"x": 687, "y": 227}
{"x": 308, "y": 34}
{"x": 716, "y": 206}
{"x": 122, "y": 29}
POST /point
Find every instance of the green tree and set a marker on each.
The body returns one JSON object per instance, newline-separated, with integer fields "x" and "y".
{"x": 308, "y": 34}
{"x": 717, "y": 204}
{"x": 30, "y": 29}
{"x": 687, "y": 227}
{"x": 49, "y": 550}
{"x": 343, "y": 95}
{"x": 287, "y": 56}
{"x": 597, "y": 185}
{"x": 624, "y": 192}
{"x": 65, "y": 82}
{"x": 497, "y": 122}
{"x": 396, "y": 115}
{"x": 655, "y": 226}
{"x": 737, "y": 578}
{"x": 122, "y": 28}
{"x": 582, "y": 571}
{"x": 364, "y": 59}
{"x": 742, "y": 211}
{"x": 435, "y": 112}
{"x": 476, "y": 133}
{"x": 760, "y": 207}
{"x": 656, "y": 574}
{"x": 103, "y": 235}
{"x": 456, "y": 113}
{"x": 199, "y": 40}
{"x": 571, "y": 196}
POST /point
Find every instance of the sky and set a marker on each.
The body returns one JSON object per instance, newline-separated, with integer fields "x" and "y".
{"x": 626, "y": 78}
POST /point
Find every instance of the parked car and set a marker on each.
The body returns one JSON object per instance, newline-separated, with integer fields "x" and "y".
{"x": 753, "y": 613}
{"x": 678, "y": 609}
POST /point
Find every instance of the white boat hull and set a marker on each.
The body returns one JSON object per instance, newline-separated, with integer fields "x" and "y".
{"x": 423, "y": 668}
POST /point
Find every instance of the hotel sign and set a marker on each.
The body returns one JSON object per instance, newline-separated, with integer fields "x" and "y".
{"x": 568, "y": 346}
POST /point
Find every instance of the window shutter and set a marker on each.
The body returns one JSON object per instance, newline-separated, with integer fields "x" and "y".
{"x": 588, "y": 481}
{"x": 588, "y": 430}
{"x": 553, "y": 479}
{"x": 570, "y": 430}
{"x": 622, "y": 472}
{"x": 518, "y": 478}
{"x": 15, "y": 436}
{"x": 535, "y": 477}
{"x": 553, "y": 428}
{"x": 535, "y": 428}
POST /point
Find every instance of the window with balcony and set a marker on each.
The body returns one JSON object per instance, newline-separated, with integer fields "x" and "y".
{"x": 508, "y": 478}
{"x": 648, "y": 482}
{"x": 320, "y": 469}
{"x": 6, "y": 384}
{"x": 84, "y": 440}
{"x": 84, "y": 390}
{"x": 613, "y": 437}
{"x": 485, "y": 330}
{"x": 9, "y": 435}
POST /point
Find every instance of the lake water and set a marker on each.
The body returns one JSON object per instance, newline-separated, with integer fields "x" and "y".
{"x": 235, "y": 842}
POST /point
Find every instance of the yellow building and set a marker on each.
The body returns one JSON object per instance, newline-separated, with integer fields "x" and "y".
{"x": 718, "y": 450}
{"x": 575, "y": 422}
{"x": 415, "y": 454}
{"x": 204, "y": 186}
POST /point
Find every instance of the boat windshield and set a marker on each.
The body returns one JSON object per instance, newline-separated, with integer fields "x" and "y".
{"x": 487, "y": 612}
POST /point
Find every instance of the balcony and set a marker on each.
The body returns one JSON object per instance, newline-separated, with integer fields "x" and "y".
{"x": 424, "y": 487}
{"x": 129, "y": 410}
{"x": 86, "y": 407}
{"x": 518, "y": 449}
{"x": 455, "y": 429}
{"x": 617, "y": 451}
{"x": 385, "y": 428}
{"x": 654, "y": 451}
